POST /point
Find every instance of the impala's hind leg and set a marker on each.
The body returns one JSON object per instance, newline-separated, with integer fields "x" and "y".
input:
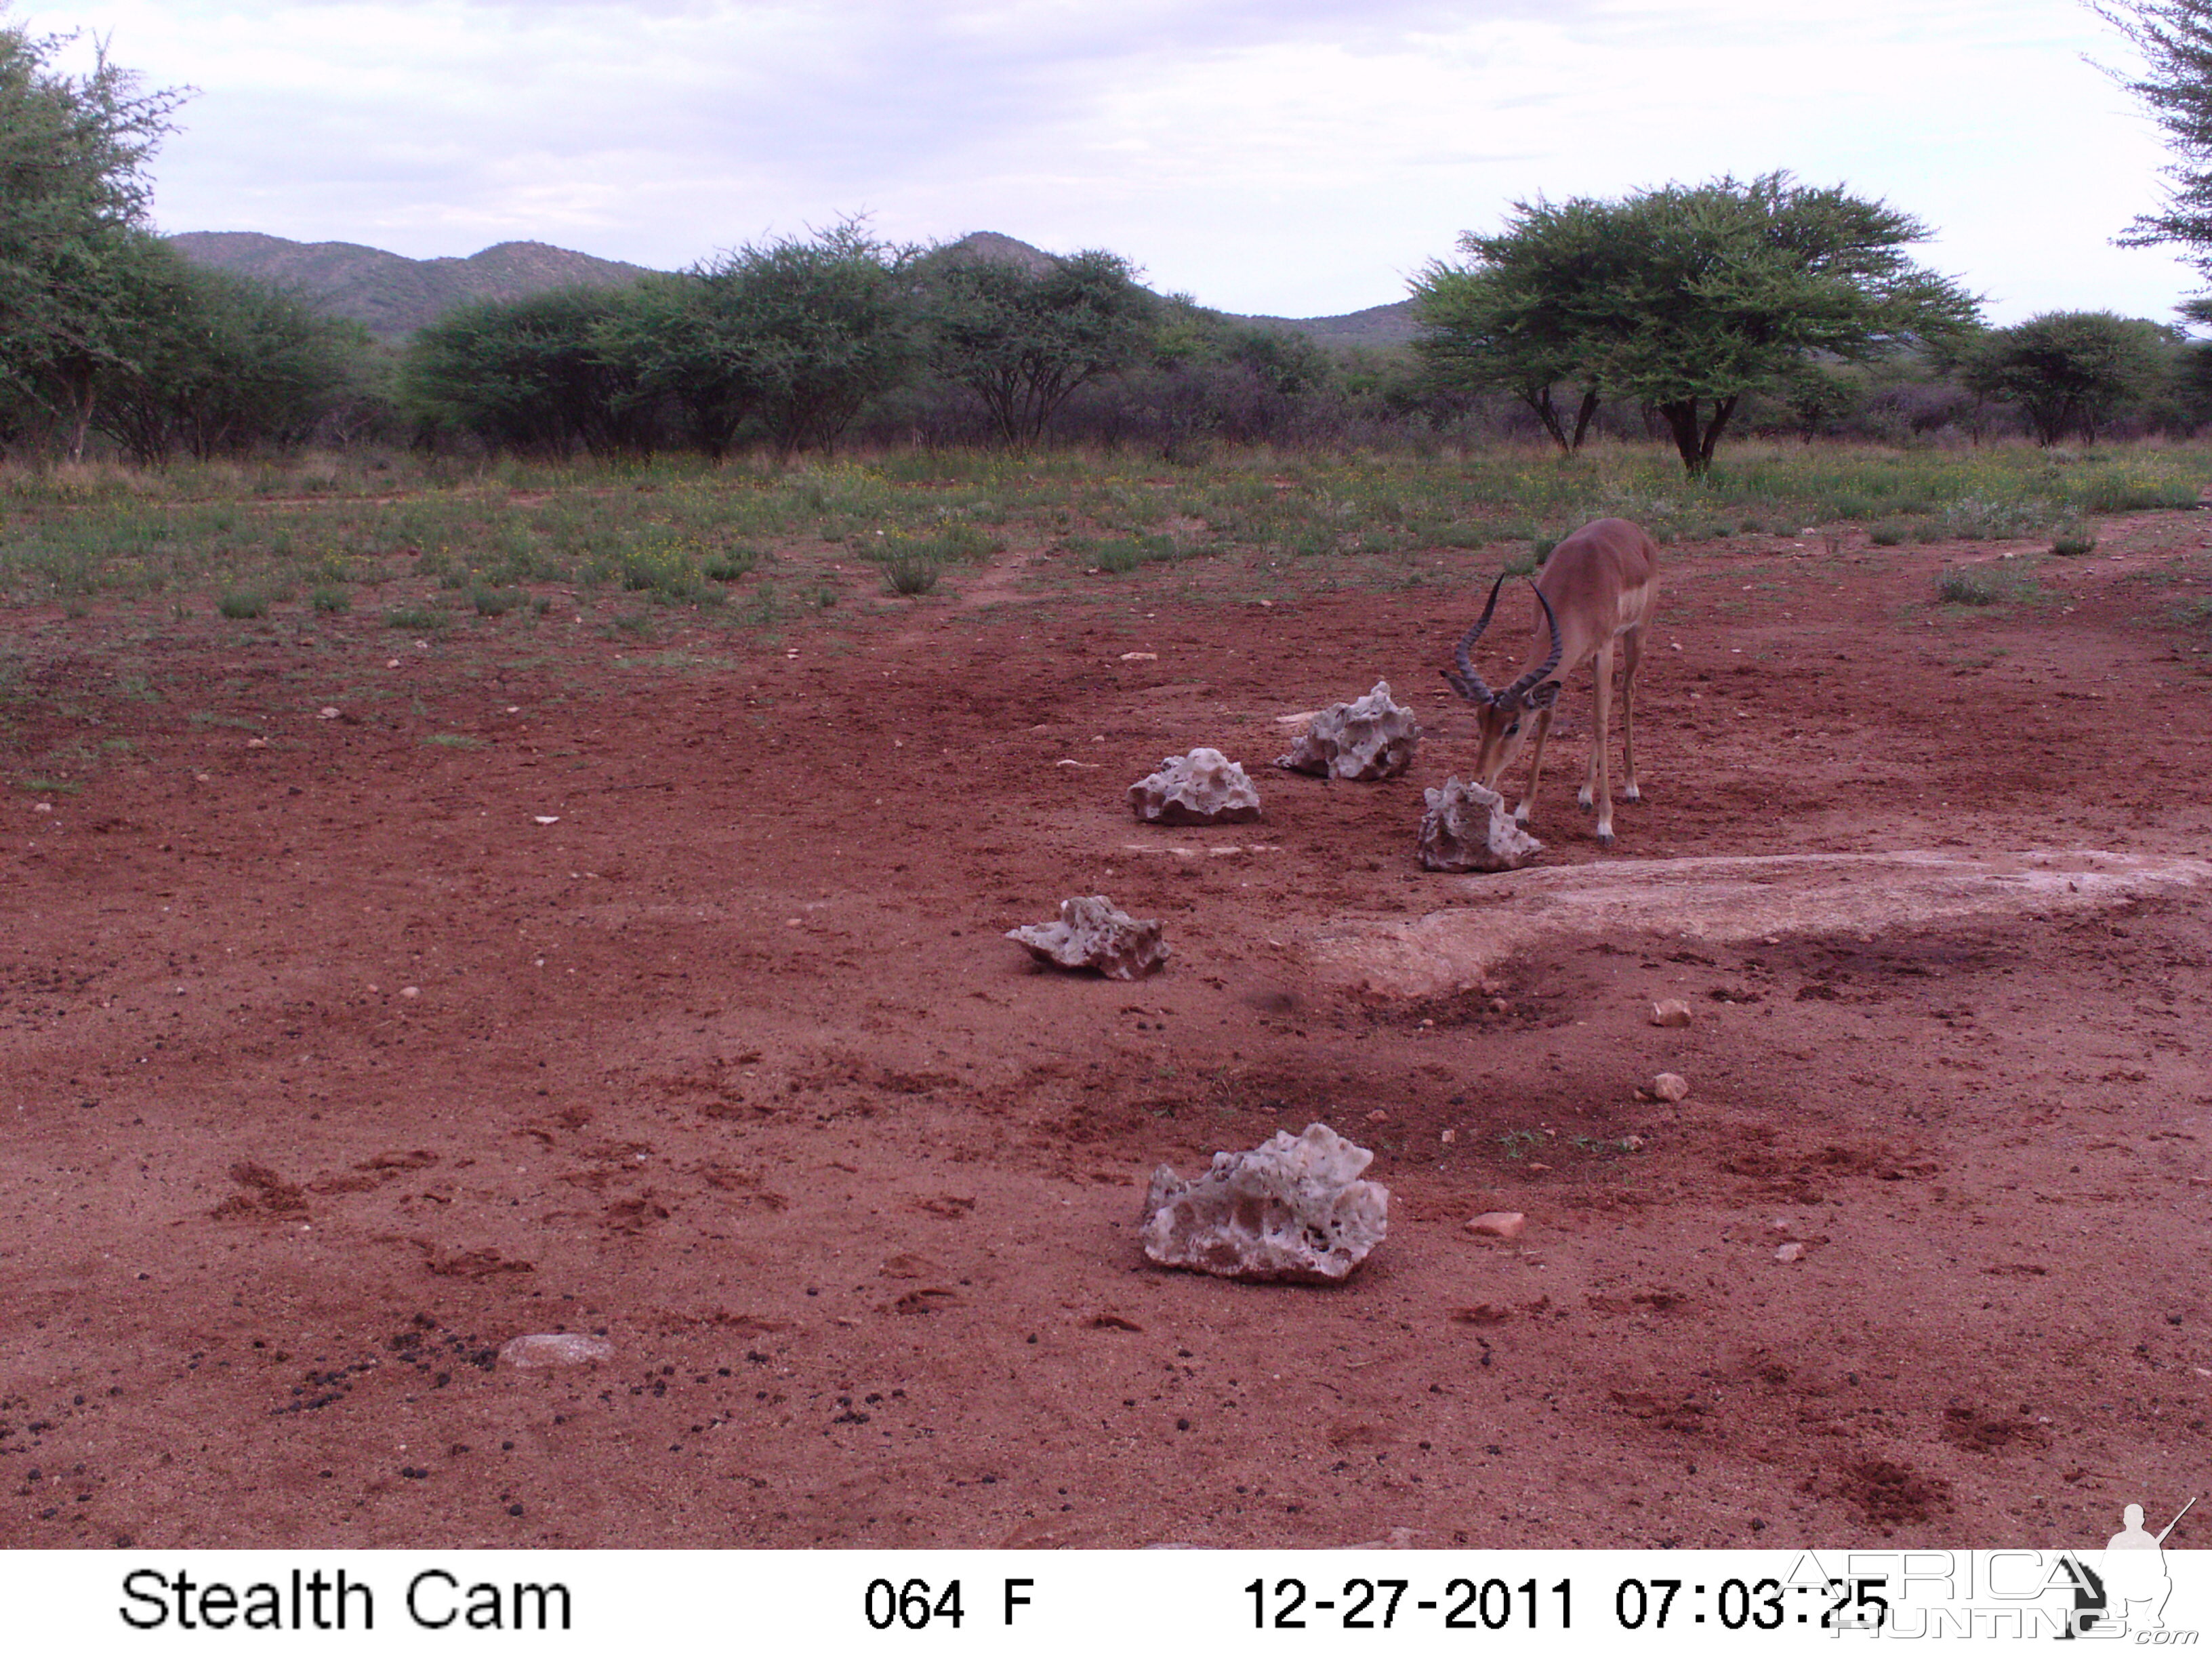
{"x": 1535, "y": 763}
{"x": 1631, "y": 653}
{"x": 1597, "y": 788}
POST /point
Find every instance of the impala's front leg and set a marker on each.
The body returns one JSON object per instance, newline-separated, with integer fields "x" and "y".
{"x": 1536, "y": 765}
{"x": 1632, "y": 653}
{"x": 1597, "y": 787}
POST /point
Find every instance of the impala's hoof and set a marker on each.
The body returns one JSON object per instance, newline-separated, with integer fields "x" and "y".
{"x": 1586, "y": 801}
{"x": 1520, "y": 813}
{"x": 1604, "y": 835}
{"x": 1631, "y": 794}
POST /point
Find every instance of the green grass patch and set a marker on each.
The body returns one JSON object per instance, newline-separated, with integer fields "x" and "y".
{"x": 454, "y": 740}
{"x": 1988, "y": 583}
{"x": 1119, "y": 555}
{"x": 681, "y": 531}
{"x": 1958, "y": 586}
{"x": 1974, "y": 519}
{"x": 912, "y": 575}
{"x": 2074, "y": 540}
{"x": 730, "y": 564}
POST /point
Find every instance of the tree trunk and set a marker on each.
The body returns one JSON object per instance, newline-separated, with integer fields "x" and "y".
{"x": 1681, "y": 420}
{"x": 1722, "y": 410}
{"x": 1539, "y": 399}
{"x": 1693, "y": 441}
{"x": 1583, "y": 416}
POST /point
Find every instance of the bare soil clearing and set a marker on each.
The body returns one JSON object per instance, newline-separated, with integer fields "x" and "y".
{"x": 333, "y": 1065}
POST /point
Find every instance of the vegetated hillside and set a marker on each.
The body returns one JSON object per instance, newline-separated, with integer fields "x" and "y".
{"x": 1376, "y": 328}
{"x": 989, "y": 244}
{"x": 393, "y": 295}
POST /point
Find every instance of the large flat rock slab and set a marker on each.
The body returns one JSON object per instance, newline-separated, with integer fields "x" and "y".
{"x": 1730, "y": 898}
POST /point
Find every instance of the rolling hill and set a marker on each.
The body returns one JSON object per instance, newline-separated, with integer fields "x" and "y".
{"x": 393, "y": 295}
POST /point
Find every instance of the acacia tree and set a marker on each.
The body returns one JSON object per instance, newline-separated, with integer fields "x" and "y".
{"x": 535, "y": 373}
{"x": 1024, "y": 340}
{"x": 1686, "y": 298}
{"x": 2175, "y": 40}
{"x": 219, "y": 363}
{"x": 2072, "y": 371}
{"x": 793, "y": 336}
{"x": 74, "y": 196}
{"x": 1501, "y": 322}
{"x": 666, "y": 336}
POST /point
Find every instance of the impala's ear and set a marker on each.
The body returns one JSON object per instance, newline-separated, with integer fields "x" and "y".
{"x": 1544, "y": 694}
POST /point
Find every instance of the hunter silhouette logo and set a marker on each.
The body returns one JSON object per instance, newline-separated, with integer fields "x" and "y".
{"x": 2127, "y": 1590}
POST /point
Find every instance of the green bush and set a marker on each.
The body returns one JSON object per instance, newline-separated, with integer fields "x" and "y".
{"x": 331, "y": 599}
{"x": 663, "y": 570}
{"x": 962, "y": 541}
{"x": 2073, "y": 540}
{"x": 1888, "y": 533}
{"x": 2125, "y": 493}
{"x": 496, "y": 601}
{"x": 1959, "y": 585}
{"x": 911, "y": 575}
{"x": 729, "y": 564}
{"x": 243, "y": 604}
{"x": 1975, "y": 520}
{"x": 1123, "y": 553}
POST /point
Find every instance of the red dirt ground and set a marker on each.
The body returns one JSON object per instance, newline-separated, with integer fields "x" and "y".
{"x": 330, "y": 1068}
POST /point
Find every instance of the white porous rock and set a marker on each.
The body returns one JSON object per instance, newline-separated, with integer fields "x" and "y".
{"x": 1294, "y": 1208}
{"x": 1373, "y": 738}
{"x": 555, "y": 1348}
{"x": 1203, "y": 787}
{"x": 1467, "y": 827}
{"x": 1092, "y": 933}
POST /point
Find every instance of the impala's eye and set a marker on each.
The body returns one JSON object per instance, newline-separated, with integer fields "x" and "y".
{"x": 1514, "y": 730}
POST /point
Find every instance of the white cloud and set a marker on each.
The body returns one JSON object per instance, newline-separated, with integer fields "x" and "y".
{"x": 1294, "y": 156}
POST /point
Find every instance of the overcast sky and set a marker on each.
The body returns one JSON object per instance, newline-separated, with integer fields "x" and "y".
{"x": 1294, "y": 157}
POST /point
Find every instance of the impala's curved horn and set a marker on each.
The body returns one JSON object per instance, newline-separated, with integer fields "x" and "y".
{"x": 1478, "y": 692}
{"x": 1534, "y": 678}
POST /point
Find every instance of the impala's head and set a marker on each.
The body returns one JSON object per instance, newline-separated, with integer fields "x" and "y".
{"x": 1502, "y": 717}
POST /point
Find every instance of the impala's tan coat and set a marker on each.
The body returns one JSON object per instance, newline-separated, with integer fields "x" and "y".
{"x": 1595, "y": 596}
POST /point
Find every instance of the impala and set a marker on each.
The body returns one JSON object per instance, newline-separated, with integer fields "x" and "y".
{"x": 1597, "y": 594}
